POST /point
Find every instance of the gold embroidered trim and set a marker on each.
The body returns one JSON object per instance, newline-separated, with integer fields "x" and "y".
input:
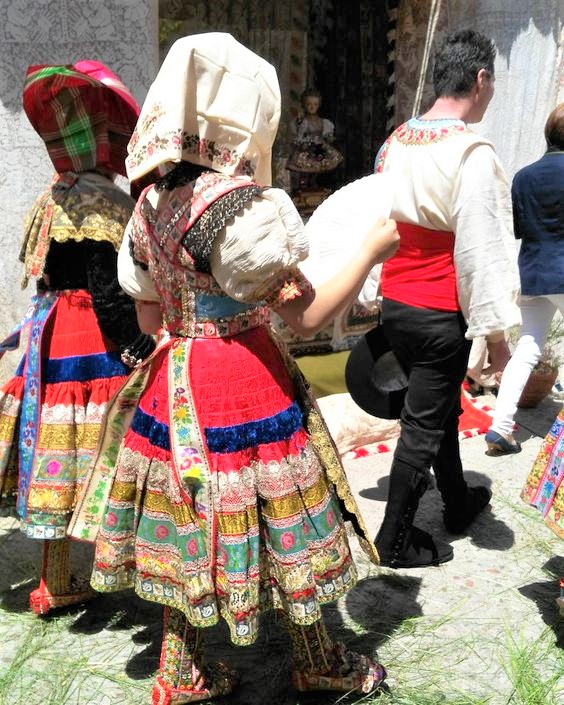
{"x": 41, "y": 499}
{"x": 7, "y": 426}
{"x": 284, "y": 286}
{"x": 182, "y": 514}
{"x": 236, "y": 523}
{"x": 284, "y": 507}
{"x": 327, "y": 452}
{"x": 68, "y": 437}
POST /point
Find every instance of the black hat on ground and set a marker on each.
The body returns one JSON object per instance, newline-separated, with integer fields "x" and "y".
{"x": 374, "y": 377}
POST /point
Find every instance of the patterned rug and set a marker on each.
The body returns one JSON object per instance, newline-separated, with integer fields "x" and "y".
{"x": 475, "y": 420}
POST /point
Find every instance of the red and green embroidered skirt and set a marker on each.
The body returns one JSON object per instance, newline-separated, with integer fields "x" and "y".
{"x": 67, "y": 385}
{"x": 244, "y": 518}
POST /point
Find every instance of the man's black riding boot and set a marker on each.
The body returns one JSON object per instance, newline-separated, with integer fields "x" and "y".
{"x": 399, "y": 543}
{"x": 462, "y": 503}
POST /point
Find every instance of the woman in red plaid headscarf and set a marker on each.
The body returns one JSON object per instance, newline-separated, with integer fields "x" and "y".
{"x": 83, "y": 334}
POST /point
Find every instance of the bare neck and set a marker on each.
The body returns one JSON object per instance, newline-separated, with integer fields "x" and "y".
{"x": 457, "y": 108}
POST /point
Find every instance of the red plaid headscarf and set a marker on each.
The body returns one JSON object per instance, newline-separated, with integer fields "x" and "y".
{"x": 84, "y": 114}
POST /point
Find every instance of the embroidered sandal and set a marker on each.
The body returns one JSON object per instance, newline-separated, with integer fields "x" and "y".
{"x": 223, "y": 680}
{"x": 350, "y": 672}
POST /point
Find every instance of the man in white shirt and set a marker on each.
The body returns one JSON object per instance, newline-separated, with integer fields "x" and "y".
{"x": 453, "y": 278}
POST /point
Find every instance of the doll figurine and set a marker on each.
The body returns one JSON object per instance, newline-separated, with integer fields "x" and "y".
{"x": 312, "y": 140}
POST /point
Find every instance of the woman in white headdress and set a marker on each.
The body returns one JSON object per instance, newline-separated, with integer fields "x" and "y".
{"x": 217, "y": 490}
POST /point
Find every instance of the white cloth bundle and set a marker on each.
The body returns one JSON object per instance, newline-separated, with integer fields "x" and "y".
{"x": 338, "y": 227}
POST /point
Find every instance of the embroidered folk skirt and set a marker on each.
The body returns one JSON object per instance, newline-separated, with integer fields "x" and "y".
{"x": 220, "y": 506}
{"x": 51, "y": 411}
{"x": 544, "y": 488}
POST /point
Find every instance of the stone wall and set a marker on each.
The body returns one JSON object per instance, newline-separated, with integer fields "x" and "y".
{"x": 121, "y": 33}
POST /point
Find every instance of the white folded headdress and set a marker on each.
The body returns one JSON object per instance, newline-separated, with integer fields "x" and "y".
{"x": 214, "y": 103}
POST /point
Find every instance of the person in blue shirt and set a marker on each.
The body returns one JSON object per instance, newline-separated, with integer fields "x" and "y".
{"x": 538, "y": 213}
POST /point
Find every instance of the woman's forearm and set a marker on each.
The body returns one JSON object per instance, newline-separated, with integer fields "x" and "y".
{"x": 313, "y": 311}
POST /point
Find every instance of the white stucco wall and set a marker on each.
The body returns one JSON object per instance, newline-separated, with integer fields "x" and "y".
{"x": 121, "y": 33}
{"x": 527, "y": 36}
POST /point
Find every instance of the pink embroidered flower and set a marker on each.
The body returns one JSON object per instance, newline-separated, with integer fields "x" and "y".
{"x": 287, "y": 540}
{"x": 150, "y": 149}
{"x": 192, "y": 547}
{"x": 226, "y": 156}
{"x": 111, "y": 519}
{"x": 53, "y": 467}
{"x": 176, "y": 140}
{"x": 330, "y": 518}
{"x": 161, "y": 532}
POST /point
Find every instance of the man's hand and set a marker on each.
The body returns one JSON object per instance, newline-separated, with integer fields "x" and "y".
{"x": 499, "y": 355}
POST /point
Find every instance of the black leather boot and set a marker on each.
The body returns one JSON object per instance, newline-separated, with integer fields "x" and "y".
{"x": 399, "y": 543}
{"x": 462, "y": 504}
{"x": 458, "y": 517}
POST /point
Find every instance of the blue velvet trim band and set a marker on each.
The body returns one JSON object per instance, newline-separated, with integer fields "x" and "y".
{"x": 229, "y": 439}
{"x": 211, "y": 307}
{"x": 154, "y": 431}
{"x": 82, "y": 368}
{"x": 20, "y": 370}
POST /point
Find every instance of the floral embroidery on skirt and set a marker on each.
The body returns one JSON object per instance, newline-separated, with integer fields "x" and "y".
{"x": 261, "y": 528}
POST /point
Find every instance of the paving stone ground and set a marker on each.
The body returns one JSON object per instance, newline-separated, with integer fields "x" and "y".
{"x": 459, "y": 634}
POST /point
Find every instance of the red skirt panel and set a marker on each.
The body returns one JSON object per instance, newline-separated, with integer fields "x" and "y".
{"x": 80, "y": 371}
{"x": 263, "y": 528}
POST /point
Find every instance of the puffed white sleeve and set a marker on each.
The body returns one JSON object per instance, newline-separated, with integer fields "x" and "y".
{"x": 255, "y": 257}
{"x": 133, "y": 278}
{"x": 485, "y": 254}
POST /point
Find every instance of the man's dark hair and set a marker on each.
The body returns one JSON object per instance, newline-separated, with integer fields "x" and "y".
{"x": 458, "y": 60}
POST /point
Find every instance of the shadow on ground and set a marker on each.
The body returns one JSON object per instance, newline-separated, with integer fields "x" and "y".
{"x": 544, "y": 595}
{"x": 487, "y": 531}
{"x": 536, "y": 421}
{"x": 369, "y": 606}
{"x": 20, "y": 559}
{"x": 377, "y": 605}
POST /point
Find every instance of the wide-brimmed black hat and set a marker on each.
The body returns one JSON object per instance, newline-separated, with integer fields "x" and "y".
{"x": 374, "y": 377}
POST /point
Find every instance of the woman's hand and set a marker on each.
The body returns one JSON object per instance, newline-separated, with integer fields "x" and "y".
{"x": 382, "y": 241}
